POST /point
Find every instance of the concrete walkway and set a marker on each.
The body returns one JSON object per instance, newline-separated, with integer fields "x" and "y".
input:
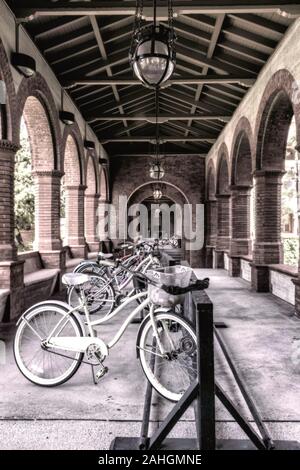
{"x": 263, "y": 337}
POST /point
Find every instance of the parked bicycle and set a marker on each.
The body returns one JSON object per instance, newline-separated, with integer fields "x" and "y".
{"x": 52, "y": 339}
{"x": 107, "y": 282}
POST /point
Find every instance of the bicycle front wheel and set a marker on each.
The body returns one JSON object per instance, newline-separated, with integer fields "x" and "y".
{"x": 172, "y": 372}
{"x": 42, "y": 366}
{"x": 99, "y": 294}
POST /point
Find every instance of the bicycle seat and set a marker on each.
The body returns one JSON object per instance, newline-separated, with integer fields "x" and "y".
{"x": 105, "y": 255}
{"x": 74, "y": 279}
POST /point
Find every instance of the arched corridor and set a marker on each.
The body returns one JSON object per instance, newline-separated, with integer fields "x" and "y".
{"x": 200, "y": 135}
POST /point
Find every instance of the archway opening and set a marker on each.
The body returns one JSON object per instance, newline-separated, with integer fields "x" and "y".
{"x": 270, "y": 165}
{"x": 242, "y": 198}
{"x": 73, "y": 195}
{"x": 290, "y": 203}
{"x": 3, "y": 109}
{"x": 24, "y": 202}
{"x": 91, "y": 206}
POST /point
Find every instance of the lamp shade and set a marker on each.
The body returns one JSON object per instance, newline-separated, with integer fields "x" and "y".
{"x": 157, "y": 193}
{"x": 66, "y": 117}
{"x": 153, "y": 59}
{"x": 157, "y": 171}
{"x": 24, "y": 63}
{"x": 89, "y": 144}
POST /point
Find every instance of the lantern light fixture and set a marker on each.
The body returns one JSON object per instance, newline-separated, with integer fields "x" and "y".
{"x": 157, "y": 193}
{"x": 66, "y": 117}
{"x": 157, "y": 171}
{"x": 89, "y": 144}
{"x": 152, "y": 54}
{"x": 24, "y": 63}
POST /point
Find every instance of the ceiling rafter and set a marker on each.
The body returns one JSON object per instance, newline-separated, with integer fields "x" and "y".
{"x": 36, "y": 8}
{"x": 103, "y": 53}
{"x": 211, "y": 48}
{"x": 221, "y": 48}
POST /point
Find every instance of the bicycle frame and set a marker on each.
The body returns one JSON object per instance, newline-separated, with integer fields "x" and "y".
{"x": 56, "y": 342}
{"x": 142, "y": 266}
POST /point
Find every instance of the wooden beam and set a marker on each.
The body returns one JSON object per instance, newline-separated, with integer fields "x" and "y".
{"x": 210, "y": 52}
{"x": 185, "y": 80}
{"x": 35, "y": 8}
{"x": 161, "y": 118}
{"x": 163, "y": 139}
{"x": 103, "y": 54}
{"x": 166, "y": 155}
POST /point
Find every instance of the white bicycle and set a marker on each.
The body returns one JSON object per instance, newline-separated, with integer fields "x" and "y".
{"x": 51, "y": 338}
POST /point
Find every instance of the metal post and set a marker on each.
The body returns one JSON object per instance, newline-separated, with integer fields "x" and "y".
{"x": 205, "y": 422}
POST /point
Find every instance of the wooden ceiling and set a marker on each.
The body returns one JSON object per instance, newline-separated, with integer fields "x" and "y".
{"x": 221, "y": 48}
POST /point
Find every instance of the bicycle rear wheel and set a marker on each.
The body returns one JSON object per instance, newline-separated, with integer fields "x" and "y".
{"x": 45, "y": 366}
{"x": 174, "y": 371}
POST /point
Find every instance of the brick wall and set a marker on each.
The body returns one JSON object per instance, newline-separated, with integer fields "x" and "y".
{"x": 185, "y": 175}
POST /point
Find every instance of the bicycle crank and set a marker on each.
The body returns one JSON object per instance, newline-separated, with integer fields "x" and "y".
{"x": 93, "y": 351}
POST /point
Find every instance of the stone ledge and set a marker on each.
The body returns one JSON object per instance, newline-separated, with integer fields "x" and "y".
{"x": 284, "y": 269}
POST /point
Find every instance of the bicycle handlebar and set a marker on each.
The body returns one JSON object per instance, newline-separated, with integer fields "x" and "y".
{"x": 199, "y": 284}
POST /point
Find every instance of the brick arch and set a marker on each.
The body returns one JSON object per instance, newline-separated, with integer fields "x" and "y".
{"x": 8, "y": 112}
{"x": 146, "y": 190}
{"x": 41, "y": 119}
{"x": 73, "y": 161}
{"x": 223, "y": 166}
{"x": 242, "y": 154}
{"x": 104, "y": 188}
{"x": 210, "y": 181}
{"x": 91, "y": 180}
{"x": 278, "y": 105}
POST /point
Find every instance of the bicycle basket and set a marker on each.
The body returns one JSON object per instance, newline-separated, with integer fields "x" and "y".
{"x": 169, "y": 276}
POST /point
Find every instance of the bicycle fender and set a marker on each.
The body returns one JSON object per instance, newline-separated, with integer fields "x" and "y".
{"x": 61, "y": 304}
{"x": 158, "y": 310}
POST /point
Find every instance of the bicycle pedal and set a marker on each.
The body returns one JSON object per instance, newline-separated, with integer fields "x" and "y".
{"x": 101, "y": 372}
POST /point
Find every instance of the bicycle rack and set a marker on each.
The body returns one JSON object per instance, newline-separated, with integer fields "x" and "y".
{"x": 202, "y": 392}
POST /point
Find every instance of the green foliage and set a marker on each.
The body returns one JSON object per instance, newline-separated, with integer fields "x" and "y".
{"x": 291, "y": 251}
{"x": 24, "y": 185}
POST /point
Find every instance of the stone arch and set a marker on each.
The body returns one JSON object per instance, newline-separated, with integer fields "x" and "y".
{"x": 73, "y": 162}
{"x": 210, "y": 212}
{"x": 222, "y": 184}
{"x": 223, "y": 205}
{"x": 279, "y": 102}
{"x": 8, "y": 125}
{"x": 104, "y": 188}
{"x": 278, "y": 105}
{"x": 36, "y": 103}
{"x": 144, "y": 191}
{"x": 210, "y": 181}
{"x": 91, "y": 203}
{"x": 242, "y": 161}
{"x": 170, "y": 192}
{"x": 91, "y": 179}
{"x": 74, "y": 168}
{"x": 242, "y": 154}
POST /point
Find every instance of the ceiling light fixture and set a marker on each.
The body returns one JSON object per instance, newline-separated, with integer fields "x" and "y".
{"x": 152, "y": 54}
{"x": 25, "y": 64}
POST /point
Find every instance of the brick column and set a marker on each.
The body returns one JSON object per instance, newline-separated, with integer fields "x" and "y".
{"x": 75, "y": 220}
{"x": 91, "y": 207}
{"x": 268, "y": 246}
{"x": 223, "y": 224}
{"x": 11, "y": 270}
{"x": 211, "y": 232}
{"x": 47, "y": 218}
{"x": 240, "y": 242}
{"x": 102, "y": 225}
